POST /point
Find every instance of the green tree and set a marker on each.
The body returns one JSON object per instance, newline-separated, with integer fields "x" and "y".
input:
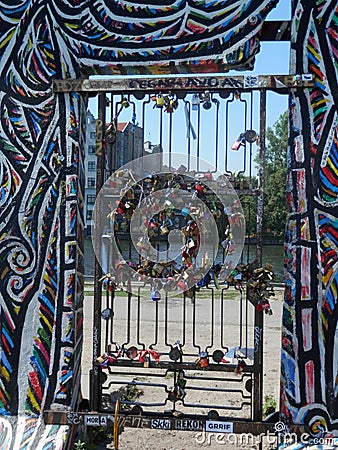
{"x": 274, "y": 217}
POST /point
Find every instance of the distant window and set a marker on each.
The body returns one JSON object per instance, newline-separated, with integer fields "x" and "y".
{"x": 91, "y": 182}
{"x": 91, "y": 149}
{"x": 89, "y": 214}
{"x": 91, "y": 166}
{"x": 91, "y": 199}
{"x": 92, "y": 135}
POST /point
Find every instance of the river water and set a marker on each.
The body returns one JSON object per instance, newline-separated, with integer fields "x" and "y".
{"x": 272, "y": 254}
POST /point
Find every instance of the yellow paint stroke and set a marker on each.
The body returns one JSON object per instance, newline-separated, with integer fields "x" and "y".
{"x": 7, "y": 39}
{"x": 46, "y": 322}
{"x": 31, "y": 397}
{"x": 331, "y": 165}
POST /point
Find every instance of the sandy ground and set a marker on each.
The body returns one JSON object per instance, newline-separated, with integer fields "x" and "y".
{"x": 146, "y": 439}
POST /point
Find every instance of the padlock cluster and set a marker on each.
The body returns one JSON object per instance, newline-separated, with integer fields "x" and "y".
{"x": 144, "y": 356}
{"x": 258, "y": 283}
{"x": 180, "y": 202}
{"x": 168, "y": 102}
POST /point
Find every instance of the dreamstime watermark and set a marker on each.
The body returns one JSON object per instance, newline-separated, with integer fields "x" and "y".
{"x": 173, "y": 220}
{"x": 250, "y": 440}
{"x": 280, "y": 436}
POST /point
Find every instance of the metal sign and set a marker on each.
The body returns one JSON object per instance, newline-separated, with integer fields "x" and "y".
{"x": 191, "y": 83}
{"x": 161, "y": 423}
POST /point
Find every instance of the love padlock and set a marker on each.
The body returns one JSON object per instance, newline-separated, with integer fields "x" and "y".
{"x": 131, "y": 352}
{"x": 199, "y": 188}
{"x": 159, "y": 101}
{"x": 176, "y": 351}
{"x": 181, "y": 286}
{"x": 195, "y": 102}
{"x": 164, "y": 229}
{"x": 203, "y": 360}
{"x": 144, "y": 358}
{"x": 125, "y": 102}
{"x": 218, "y": 356}
{"x": 169, "y": 285}
{"x": 185, "y": 211}
{"x": 107, "y": 314}
{"x": 191, "y": 244}
{"x": 156, "y": 295}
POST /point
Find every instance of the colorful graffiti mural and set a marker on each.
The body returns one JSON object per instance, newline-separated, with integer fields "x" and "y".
{"x": 309, "y": 389}
{"x": 41, "y": 171}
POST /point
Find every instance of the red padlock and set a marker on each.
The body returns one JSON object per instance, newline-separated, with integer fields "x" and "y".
{"x": 203, "y": 360}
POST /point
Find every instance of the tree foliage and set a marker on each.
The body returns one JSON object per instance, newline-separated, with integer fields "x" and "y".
{"x": 274, "y": 217}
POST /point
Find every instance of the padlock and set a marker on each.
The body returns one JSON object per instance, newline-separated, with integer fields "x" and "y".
{"x": 185, "y": 211}
{"x": 105, "y": 360}
{"x": 156, "y": 295}
{"x": 187, "y": 261}
{"x": 144, "y": 358}
{"x": 195, "y": 102}
{"x": 131, "y": 352}
{"x": 171, "y": 104}
{"x": 191, "y": 244}
{"x": 240, "y": 141}
{"x": 174, "y": 394}
{"x": 169, "y": 285}
{"x": 219, "y": 356}
{"x": 159, "y": 101}
{"x": 199, "y": 188}
{"x": 158, "y": 268}
{"x": 206, "y": 100}
{"x": 181, "y": 169}
{"x": 176, "y": 351}
{"x": 181, "y": 285}
{"x": 120, "y": 209}
{"x": 181, "y": 381}
{"x": 204, "y": 282}
{"x": 203, "y": 359}
{"x": 125, "y": 102}
{"x": 106, "y": 314}
{"x": 164, "y": 230}
{"x": 152, "y": 223}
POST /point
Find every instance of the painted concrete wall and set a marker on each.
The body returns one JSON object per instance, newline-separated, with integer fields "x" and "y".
{"x": 309, "y": 385}
{"x": 40, "y": 226}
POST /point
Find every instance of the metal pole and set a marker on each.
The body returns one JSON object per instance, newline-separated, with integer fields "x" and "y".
{"x": 261, "y": 157}
{"x": 95, "y": 386}
{"x": 259, "y": 322}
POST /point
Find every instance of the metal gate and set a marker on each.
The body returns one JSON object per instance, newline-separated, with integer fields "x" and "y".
{"x": 195, "y": 354}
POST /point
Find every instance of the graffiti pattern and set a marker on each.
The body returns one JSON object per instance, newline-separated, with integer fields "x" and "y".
{"x": 153, "y": 32}
{"x": 309, "y": 391}
{"x": 41, "y": 172}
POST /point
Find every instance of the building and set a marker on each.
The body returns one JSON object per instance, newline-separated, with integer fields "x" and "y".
{"x": 90, "y": 172}
{"x": 125, "y": 147}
